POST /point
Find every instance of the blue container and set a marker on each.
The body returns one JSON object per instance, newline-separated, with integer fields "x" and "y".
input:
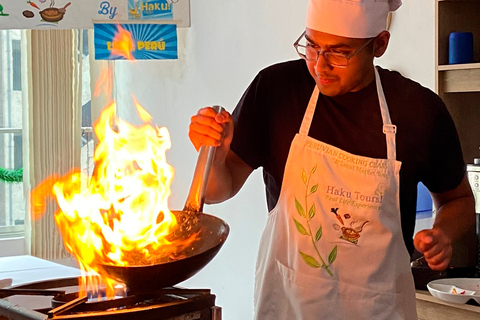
{"x": 460, "y": 47}
{"x": 424, "y": 202}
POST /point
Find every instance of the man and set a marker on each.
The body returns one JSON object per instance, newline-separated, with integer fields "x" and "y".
{"x": 341, "y": 167}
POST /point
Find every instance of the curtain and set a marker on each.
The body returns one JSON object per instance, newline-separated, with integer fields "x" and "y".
{"x": 52, "y": 125}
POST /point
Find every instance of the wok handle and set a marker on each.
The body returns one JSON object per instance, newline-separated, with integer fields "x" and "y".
{"x": 196, "y": 196}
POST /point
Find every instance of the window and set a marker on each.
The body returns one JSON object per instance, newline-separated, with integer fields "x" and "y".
{"x": 12, "y": 199}
{"x": 87, "y": 132}
{"x": 17, "y": 65}
{"x": 12, "y": 209}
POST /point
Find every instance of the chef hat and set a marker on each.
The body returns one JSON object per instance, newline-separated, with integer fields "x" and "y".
{"x": 350, "y": 18}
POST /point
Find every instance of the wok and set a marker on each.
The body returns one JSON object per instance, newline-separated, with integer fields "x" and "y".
{"x": 53, "y": 14}
{"x": 212, "y": 234}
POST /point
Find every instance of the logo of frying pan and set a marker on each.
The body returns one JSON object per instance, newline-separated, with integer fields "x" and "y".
{"x": 349, "y": 233}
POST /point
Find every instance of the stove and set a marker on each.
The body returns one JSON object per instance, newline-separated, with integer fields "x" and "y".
{"x": 59, "y": 299}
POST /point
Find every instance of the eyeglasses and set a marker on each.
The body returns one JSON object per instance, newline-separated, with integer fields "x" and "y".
{"x": 334, "y": 59}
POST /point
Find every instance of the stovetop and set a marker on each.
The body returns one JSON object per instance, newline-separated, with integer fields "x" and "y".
{"x": 59, "y": 299}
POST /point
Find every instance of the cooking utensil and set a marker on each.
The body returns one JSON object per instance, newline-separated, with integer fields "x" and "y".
{"x": 422, "y": 274}
{"x": 212, "y": 235}
{"x": 62, "y": 10}
{"x": 53, "y": 14}
{"x": 5, "y": 293}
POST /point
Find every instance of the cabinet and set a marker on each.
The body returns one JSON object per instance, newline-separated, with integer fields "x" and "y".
{"x": 459, "y": 87}
{"x": 459, "y": 84}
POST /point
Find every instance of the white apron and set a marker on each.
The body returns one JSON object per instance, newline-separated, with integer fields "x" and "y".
{"x": 332, "y": 247}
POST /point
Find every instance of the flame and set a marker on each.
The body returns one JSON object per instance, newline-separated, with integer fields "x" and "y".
{"x": 123, "y": 44}
{"x": 105, "y": 82}
{"x": 122, "y": 217}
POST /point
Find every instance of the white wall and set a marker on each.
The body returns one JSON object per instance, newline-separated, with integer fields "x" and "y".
{"x": 227, "y": 44}
{"x": 412, "y": 45}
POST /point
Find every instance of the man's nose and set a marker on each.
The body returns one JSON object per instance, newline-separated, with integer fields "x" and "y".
{"x": 322, "y": 63}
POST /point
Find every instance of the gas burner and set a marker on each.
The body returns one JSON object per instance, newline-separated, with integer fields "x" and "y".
{"x": 163, "y": 304}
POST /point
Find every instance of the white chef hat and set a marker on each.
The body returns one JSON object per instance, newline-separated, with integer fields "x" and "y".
{"x": 350, "y": 18}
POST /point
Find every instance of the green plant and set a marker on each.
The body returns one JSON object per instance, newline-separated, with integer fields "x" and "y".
{"x": 11, "y": 176}
{"x": 308, "y": 213}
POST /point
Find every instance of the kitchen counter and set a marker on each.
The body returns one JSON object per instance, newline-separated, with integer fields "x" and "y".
{"x": 431, "y": 308}
{"x": 26, "y": 269}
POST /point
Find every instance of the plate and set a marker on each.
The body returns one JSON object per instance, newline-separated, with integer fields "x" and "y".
{"x": 443, "y": 288}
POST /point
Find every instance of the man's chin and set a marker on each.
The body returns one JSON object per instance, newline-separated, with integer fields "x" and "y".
{"x": 329, "y": 91}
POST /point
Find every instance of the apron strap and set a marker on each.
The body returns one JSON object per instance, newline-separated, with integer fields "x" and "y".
{"x": 307, "y": 118}
{"x": 388, "y": 128}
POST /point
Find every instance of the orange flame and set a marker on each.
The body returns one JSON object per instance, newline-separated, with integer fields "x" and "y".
{"x": 105, "y": 83}
{"x": 122, "y": 217}
{"x": 123, "y": 44}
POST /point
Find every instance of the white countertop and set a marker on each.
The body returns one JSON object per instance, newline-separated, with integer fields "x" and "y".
{"x": 26, "y": 269}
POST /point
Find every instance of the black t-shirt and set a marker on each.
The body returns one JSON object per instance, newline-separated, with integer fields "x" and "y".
{"x": 270, "y": 112}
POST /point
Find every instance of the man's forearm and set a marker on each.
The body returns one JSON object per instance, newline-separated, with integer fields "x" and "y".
{"x": 456, "y": 214}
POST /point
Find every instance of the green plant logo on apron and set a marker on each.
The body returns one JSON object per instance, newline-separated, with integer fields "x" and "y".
{"x": 307, "y": 216}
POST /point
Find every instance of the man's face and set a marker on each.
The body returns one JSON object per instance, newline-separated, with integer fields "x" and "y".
{"x": 333, "y": 81}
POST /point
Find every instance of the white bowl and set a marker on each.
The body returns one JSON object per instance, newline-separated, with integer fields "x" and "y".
{"x": 442, "y": 289}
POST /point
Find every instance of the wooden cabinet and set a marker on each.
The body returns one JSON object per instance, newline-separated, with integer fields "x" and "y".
{"x": 459, "y": 84}
{"x": 459, "y": 87}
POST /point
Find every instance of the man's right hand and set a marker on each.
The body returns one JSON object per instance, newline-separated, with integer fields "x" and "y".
{"x": 210, "y": 128}
{"x": 228, "y": 172}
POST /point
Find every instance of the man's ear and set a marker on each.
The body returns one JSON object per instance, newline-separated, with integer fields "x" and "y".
{"x": 380, "y": 43}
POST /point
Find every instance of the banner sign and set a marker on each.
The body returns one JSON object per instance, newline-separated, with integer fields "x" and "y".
{"x": 81, "y": 14}
{"x": 147, "y": 10}
{"x": 135, "y": 41}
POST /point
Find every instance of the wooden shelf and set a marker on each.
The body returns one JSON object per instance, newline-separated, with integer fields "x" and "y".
{"x": 459, "y": 87}
{"x": 459, "y": 84}
{"x": 463, "y": 66}
{"x": 459, "y": 78}
{"x": 456, "y": 16}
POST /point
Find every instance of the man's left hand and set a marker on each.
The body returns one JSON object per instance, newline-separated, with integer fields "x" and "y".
{"x": 436, "y": 247}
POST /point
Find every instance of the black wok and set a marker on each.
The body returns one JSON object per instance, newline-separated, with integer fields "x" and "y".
{"x": 212, "y": 235}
